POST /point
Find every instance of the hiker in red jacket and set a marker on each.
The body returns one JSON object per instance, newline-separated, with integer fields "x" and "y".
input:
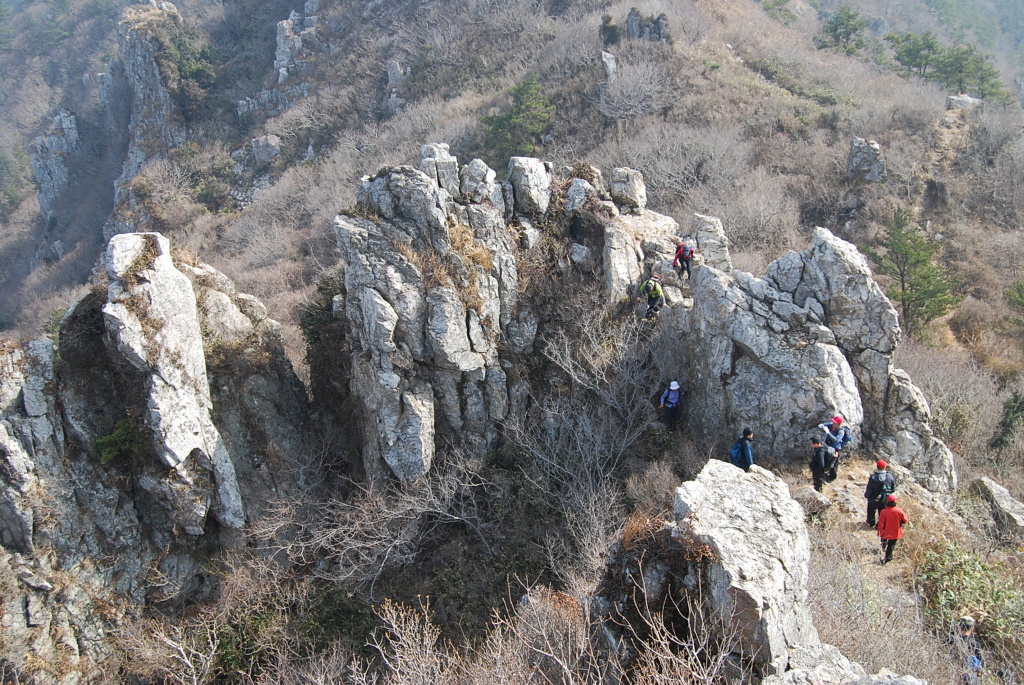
{"x": 684, "y": 255}
{"x": 890, "y": 526}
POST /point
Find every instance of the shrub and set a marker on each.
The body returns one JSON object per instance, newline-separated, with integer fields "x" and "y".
{"x": 512, "y": 132}
{"x": 123, "y": 443}
{"x": 955, "y": 582}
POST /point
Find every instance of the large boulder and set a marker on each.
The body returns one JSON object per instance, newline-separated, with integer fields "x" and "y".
{"x": 758, "y": 359}
{"x": 628, "y": 189}
{"x": 756, "y": 582}
{"x": 531, "y": 183}
{"x": 1008, "y": 512}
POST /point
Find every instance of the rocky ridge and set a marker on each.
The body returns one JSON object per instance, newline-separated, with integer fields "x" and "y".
{"x": 116, "y": 483}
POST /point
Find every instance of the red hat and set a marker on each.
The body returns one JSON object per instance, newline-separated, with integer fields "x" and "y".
{"x": 837, "y": 419}
{"x": 880, "y": 464}
{"x": 891, "y": 499}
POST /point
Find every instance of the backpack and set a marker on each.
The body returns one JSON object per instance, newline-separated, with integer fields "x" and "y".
{"x": 736, "y": 453}
{"x": 888, "y": 487}
{"x": 832, "y": 472}
{"x": 844, "y": 437}
{"x": 673, "y": 398}
{"x": 687, "y": 252}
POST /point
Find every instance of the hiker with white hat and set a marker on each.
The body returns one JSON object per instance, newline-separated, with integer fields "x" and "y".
{"x": 671, "y": 400}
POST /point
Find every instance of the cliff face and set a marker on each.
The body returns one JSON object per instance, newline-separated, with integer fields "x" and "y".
{"x": 118, "y": 483}
{"x": 154, "y": 123}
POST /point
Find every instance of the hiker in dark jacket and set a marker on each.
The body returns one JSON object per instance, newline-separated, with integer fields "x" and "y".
{"x": 655, "y": 296}
{"x": 742, "y": 453}
{"x": 684, "y": 255}
{"x": 670, "y": 401}
{"x": 821, "y": 462}
{"x": 881, "y": 484}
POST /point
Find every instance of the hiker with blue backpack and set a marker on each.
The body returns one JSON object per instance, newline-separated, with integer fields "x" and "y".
{"x": 670, "y": 402}
{"x": 684, "y": 256}
{"x": 741, "y": 454}
{"x": 837, "y": 436}
{"x": 881, "y": 484}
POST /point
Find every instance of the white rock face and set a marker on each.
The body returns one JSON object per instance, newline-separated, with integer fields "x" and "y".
{"x": 628, "y": 188}
{"x": 425, "y": 355}
{"x": 1008, "y": 512}
{"x": 531, "y": 183}
{"x": 763, "y": 362}
{"x": 711, "y": 242}
{"x": 758, "y": 580}
{"x": 865, "y": 163}
{"x": 265, "y": 148}
{"x": 153, "y": 326}
{"x": 442, "y": 167}
{"x": 962, "y": 102}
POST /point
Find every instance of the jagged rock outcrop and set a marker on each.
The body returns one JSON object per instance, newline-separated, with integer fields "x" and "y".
{"x": 962, "y": 101}
{"x": 297, "y": 41}
{"x": 737, "y": 556}
{"x": 628, "y": 189}
{"x": 50, "y": 159}
{"x": 155, "y": 125}
{"x": 757, "y": 582}
{"x": 428, "y": 289}
{"x": 181, "y": 385}
{"x": 654, "y": 29}
{"x": 865, "y": 163}
{"x": 1007, "y": 511}
{"x": 813, "y": 338}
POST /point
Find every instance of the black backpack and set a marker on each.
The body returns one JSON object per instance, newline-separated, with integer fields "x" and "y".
{"x": 888, "y": 487}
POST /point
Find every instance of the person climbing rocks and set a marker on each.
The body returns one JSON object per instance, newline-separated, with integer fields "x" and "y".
{"x": 965, "y": 641}
{"x": 684, "y": 255}
{"x": 890, "y": 526}
{"x": 670, "y": 402}
{"x": 837, "y": 436}
{"x": 881, "y": 484}
{"x": 741, "y": 454}
{"x": 655, "y": 296}
{"x": 823, "y": 461}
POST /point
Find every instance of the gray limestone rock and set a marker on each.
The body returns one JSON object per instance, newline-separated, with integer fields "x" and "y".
{"x": 153, "y": 330}
{"x": 711, "y": 242}
{"x": 956, "y": 102}
{"x": 757, "y": 581}
{"x": 531, "y": 184}
{"x": 865, "y": 163}
{"x": 628, "y": 189}
{"x": 1008, "y": 512}
{"x": 50, "y": 159}
{"x": 443, "y": 168}
{"x": 265, "y": 148}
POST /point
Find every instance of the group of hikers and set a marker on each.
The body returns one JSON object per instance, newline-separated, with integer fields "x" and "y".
{"x": 883, "y": 514}
{"x": 652, "y": 287}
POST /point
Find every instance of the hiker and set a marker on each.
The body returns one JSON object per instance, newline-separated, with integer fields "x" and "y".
{"x": 655, "y": 296}
{"x": 881, "y": 484}
{"x": 890, "y": 526}
{"x": 837, "y": 436}
{"x": 741, "y": 454}
{"x": 966, "y": 643}
{"x": 823, "y": 463}
{"x": 684, "y": 255}
{"x": 670, "y": 401}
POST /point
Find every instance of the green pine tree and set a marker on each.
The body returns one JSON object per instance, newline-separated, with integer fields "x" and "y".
{"x": 514, "y": 131}
{"x": 844, "y": 31}
{"x": 915, "y": 52}
{"x": 921, "y": 290}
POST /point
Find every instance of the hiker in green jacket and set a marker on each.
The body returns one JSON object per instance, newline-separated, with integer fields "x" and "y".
{"x": 655, "y": 296}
